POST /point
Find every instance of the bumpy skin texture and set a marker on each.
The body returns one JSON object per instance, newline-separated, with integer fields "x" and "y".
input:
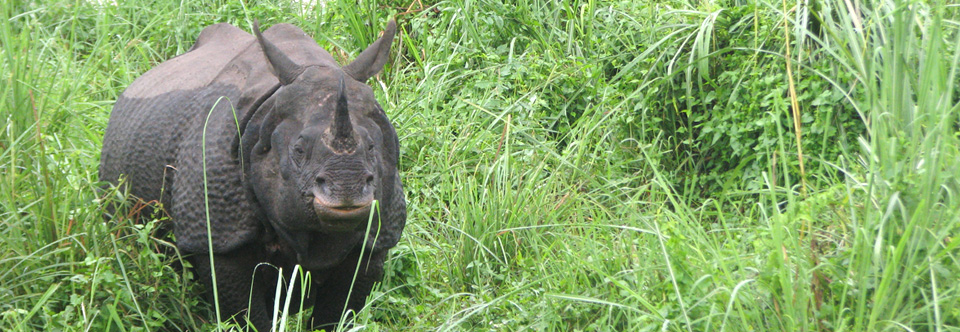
{"x": 257, "y": 119}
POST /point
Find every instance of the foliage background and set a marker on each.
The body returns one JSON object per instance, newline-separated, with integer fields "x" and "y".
{"x": 570, "y": 165}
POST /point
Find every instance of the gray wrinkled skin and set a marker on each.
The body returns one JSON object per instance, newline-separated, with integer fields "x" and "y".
{"x": 294, "y": 186}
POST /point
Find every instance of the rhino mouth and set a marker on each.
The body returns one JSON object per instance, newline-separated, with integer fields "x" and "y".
{"x": 341, "y": 216}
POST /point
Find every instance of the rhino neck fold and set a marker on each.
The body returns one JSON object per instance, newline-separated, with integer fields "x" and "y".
{"x": 299, "y": 242}
{"x": 252, "y": 117}
{"x": 315, "y": 250}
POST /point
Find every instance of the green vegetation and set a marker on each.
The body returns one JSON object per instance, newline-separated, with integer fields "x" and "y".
{"x": 570, "y": 165}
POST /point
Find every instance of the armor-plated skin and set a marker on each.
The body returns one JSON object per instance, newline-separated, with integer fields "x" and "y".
{"x": 295, "y": 150}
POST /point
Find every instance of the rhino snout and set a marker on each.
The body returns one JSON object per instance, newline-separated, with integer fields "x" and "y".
{"x": 343, "y": 206}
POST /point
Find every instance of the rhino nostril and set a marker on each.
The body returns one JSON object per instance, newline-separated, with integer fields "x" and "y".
{"x": 369, "y": 179}
{"x": 321, "y": 181}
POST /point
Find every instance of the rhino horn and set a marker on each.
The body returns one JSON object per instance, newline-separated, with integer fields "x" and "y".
{"x": 285, "y": 69}
{"x": 343, "y": 140}
{"x": 372, "y": 59}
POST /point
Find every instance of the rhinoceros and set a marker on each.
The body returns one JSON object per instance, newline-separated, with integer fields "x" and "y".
{"x": 279, "y": 152}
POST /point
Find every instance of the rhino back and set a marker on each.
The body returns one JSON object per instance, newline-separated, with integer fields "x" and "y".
{"x": 141, "y": 136}
{"x": 159, "y": 136}
{"x": 216, "y": 47}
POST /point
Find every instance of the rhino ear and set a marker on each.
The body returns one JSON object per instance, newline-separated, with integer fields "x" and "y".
{"x": 285, "y": 69}
{"x": 372, "y": 59}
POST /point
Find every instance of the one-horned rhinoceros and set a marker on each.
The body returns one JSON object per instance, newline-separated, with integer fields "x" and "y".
{"x": 282, "y": 151}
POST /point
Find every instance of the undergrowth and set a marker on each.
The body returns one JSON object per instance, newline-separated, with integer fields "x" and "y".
{"x": 569, "y": 165}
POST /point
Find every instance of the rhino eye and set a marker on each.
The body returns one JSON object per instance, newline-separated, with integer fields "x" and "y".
{"x": 298, "y": 153}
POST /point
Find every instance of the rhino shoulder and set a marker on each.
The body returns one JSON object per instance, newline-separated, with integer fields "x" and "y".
{"x": 299, "y": 46}
{"x": 218, "y": 34}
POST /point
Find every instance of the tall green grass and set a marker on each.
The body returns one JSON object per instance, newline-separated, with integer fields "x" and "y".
{"x": 569, "y": 165}
{"x": 904, "y": 254}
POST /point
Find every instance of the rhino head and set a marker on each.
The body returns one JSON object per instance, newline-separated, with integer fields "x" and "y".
{"x": 322, "y": 149}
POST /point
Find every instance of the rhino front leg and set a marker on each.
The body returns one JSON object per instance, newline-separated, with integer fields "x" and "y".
{"x": 332, "y": 294}
{"x": 234, "y": 276}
